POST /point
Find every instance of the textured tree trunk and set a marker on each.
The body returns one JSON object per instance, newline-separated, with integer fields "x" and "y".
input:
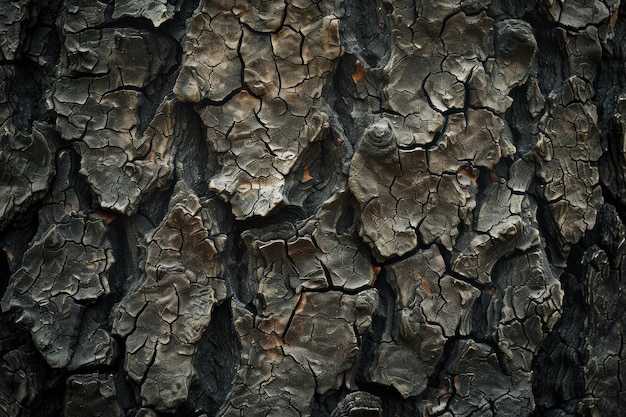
{"x": 312, "y": 208}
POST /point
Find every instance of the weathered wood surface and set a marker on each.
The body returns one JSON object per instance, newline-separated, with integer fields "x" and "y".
{"x": 312, "y": 208}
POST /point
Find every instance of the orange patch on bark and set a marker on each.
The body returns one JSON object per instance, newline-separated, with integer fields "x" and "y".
{"x": 614, "y": 16}
{"x": 10, "y": 255}
{"x": 360, "y": 72}
{"x": 306, "y": 175}
{"x": 466, "y": 173}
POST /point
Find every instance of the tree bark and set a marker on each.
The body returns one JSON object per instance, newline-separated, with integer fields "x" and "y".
{"x": 312, "y": 208}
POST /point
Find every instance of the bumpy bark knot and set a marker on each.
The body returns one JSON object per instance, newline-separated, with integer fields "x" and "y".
{"x": 358, "y": 404}
{"x": 379, "y": 140}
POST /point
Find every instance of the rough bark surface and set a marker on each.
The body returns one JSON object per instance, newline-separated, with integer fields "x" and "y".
{"x": 312, "y": 208}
